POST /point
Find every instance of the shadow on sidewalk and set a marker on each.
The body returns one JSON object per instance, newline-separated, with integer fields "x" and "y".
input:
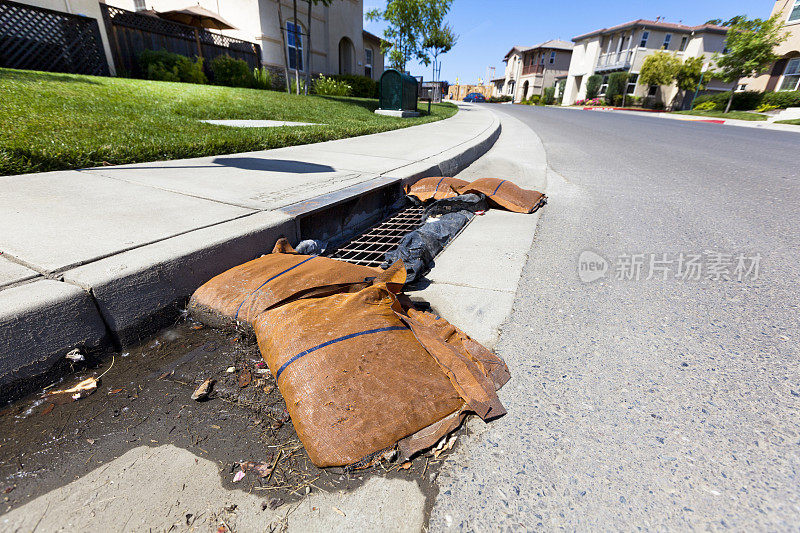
{"x": 273, "y": 165}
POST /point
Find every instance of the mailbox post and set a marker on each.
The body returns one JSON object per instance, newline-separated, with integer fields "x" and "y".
{"x": 398, "y": 94}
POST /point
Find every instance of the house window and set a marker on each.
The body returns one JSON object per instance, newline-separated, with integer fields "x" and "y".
{"x": 632, "y": 79}
{"x": 684, "y": 42}
{"x": 653, "y": 90}
{"x": 603, "y": 86}
{"x": 139, "y": 5}
{"x": 368, "y": 62}
{"x": 291, "y": 45}
{"x": 794, "y": 14}
{"x": 645, "y": 36}
{"x": 552, "y": 57}
{"x": 741, "y": 87}
{"x": 541, "y": 59}
{"x": 791, "y": 76}
{"x": 667, "y": 39}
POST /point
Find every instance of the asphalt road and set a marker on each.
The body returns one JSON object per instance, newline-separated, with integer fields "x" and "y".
{"x": 648, "y": 403}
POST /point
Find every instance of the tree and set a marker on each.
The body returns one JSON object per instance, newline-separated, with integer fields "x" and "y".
{"x": 439, "y": 40}
{"x": 593, "y": 84}
{"x": 659, "y": 69}
{"x": 407, "y": 21}
{"x": 750, "y": 45}
{"x": 689, "y": 76}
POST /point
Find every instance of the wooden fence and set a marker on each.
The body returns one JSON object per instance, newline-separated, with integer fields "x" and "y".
{"x": 131, "y": 33}
{"x": 41, "y": 39}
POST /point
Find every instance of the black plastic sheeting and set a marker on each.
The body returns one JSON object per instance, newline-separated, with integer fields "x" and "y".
{"x": 444, "y": 219}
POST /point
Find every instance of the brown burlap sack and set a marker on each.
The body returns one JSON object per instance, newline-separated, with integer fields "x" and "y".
{"x": 505, "y": 194}
{"x": 238, "y": 295}
{"x": 360, "y": 371}
{"x": 435, "y": 188}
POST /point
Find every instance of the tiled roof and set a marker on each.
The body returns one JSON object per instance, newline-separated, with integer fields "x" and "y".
{"x": 554, "y": 44}
{"x": 655, "y": 25}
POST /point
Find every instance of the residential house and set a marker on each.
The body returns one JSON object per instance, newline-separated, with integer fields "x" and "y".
{"x": 530, "y": 69}
{"x": 785, "y": 73}
{"x": 623, "y": 48}
{"x": 339, "y": 43}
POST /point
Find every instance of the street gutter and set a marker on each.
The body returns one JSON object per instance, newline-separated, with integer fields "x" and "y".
{"x": 117, "y": 298}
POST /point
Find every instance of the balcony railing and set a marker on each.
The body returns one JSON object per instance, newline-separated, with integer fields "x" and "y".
{"x": 532, "y": 69}
{"x": 615, "y": 60}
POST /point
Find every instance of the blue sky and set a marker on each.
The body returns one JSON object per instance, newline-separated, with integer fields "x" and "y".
{"x": 488, "y": 29}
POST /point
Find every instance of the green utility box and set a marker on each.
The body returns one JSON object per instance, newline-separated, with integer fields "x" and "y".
{"x": 399, "y": 94}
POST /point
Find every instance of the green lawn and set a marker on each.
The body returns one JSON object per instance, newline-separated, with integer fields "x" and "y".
{"x": 63, "y": 121}
{"x": 795, "y": 121}
{"x": 738, "y": 115}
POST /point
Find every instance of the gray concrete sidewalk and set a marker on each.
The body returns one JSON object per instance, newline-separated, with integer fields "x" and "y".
{"x": 105, "y": 255}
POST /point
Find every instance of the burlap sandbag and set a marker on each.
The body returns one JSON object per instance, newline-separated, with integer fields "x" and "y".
{"x": 360, "y": 371}
{"x": 505, "y": 194}
{"x": 238, "y": 295}
{"x": 435, "y": 188}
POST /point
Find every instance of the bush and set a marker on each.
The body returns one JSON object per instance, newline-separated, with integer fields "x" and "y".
{"x": 549, "y": 96}
{"x": 617, "y": 83}
{"x": 634, "y": 101}
{"x": 360, "y": 86}
{"x": 743, "y": 101}
{"x": 593, "y": 83}
{"x": 331, "y": 87}
{"x": 161, "y": 65}
{"x": 782, "y": 99}
{"x": 498, "y": 99}
{"x": 231, "y": 72}
{"x": 263, "y": 78}
{"x": 707, "y": 106}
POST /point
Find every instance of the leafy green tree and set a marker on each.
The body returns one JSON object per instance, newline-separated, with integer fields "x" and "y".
{"x": 407, "y": 21}
{"x": 439, "y": 40}
{"x": 659, "y": 69}
{"x": 689, "y": 76}
{"x": 750, "y": 45}
{"x": 593, "y": 84}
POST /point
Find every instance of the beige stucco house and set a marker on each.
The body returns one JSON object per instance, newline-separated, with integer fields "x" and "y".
{"x": 530, "y": 69}
{"x": 339, "y": 43}
{"x": 623, "y": 48}
{"x": 785, "y": 73}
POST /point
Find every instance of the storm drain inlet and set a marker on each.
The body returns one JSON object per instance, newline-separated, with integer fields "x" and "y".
{"x": 369, "y": 248}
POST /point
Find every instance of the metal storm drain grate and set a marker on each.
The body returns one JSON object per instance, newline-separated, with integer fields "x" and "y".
{"x": 369, "y": 248}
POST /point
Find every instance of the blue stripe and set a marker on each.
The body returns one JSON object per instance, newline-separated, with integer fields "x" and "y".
{"x": 498, "y": 188}
{"x": 270, "y": 279}
{"x": 334, "y": 341}
{"x": 437, "y": 186}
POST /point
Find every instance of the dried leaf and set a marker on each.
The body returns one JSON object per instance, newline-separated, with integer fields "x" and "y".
{"x": 81, "y": 390}
{"x": 115, "y": 391}
{"x": 338, "y": 510}
{"x": 238, "y": 476}
{"x": 48, "y": 408}
{"x": 406, "y": 465}
{"x": 245, "y": 377}
{"x": 203, "y": 390}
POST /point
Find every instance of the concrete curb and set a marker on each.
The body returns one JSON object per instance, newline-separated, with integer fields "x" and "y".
{"x": 756, "y": 124}
{"x": 127, "y": 296}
